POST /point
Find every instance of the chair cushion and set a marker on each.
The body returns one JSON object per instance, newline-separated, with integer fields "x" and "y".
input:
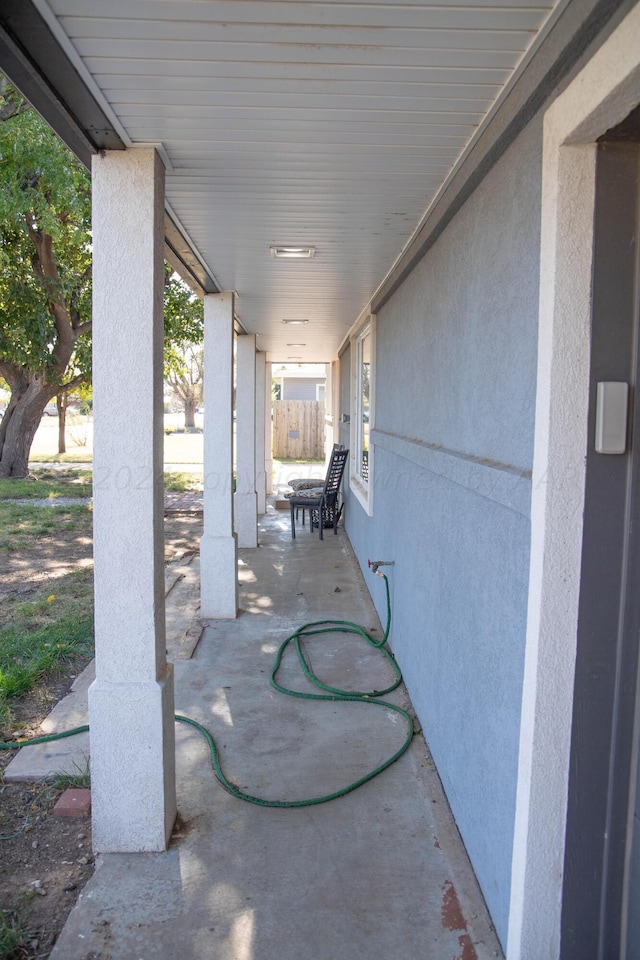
{"x": 310, "y": 494}
{"x": 306, "y": 484}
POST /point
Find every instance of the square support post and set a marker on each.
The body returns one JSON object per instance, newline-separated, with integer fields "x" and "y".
{"x": 268, "y": 429}
{"x": 218, "y": 546}
{"x": 261, "y": 476}
{"x": 246, "y": 498}
{"x": 131, "y": 700}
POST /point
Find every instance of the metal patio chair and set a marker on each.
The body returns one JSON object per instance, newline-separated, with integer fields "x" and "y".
{"x": 314, "y": 483}
{"x": 323, "y": 504}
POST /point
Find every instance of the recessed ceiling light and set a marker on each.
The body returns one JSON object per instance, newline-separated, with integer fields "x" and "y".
{"x": 292, "y": 253}
{"x": 296, "y": 344}
{"x": 295, "y": 321}
{"x": 294, "y": 358}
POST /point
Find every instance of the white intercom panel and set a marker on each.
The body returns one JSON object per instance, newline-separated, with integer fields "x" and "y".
{"x": 612, "y": 406}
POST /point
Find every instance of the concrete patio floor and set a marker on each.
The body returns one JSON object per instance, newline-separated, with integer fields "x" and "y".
{"x": 380, "y": 873}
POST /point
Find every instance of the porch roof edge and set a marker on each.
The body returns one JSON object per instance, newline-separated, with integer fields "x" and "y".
{"x": 39, "y": 67}
{"x": 35, "y": 62}
{"x": 570, "y": 36}
{"x": 179, "y": 253}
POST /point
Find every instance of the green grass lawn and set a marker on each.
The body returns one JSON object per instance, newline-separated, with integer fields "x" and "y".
{"x": 22, "y": 523}
{"x": 176, "y": 482}
{"x": 48, "y": 483}
{"x": 43, "y": 633}
{"x": 82, "y": 456}
{"x": 53, "y": 625}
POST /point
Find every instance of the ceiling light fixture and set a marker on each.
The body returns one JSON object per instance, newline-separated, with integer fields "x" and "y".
{"x": 295, "y": 321}
{"x": 296, "y": 344}
{"x": 294, "y": 358}
{"x": 292, "y": 253}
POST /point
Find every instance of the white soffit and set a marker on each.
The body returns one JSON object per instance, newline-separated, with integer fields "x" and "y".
{"x": 323, "y": 124}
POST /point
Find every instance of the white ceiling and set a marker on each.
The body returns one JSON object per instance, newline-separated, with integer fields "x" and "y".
{"x": 331, "y": 124}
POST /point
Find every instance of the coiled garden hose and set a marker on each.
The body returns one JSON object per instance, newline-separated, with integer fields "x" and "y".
{"x": 331, "y": 693}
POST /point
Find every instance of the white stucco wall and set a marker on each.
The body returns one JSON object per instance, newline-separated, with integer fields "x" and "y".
{"x": 600, "y": 97}
{"x": 453, "y": 433}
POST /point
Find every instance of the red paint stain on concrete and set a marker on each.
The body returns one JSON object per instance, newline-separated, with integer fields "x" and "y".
{"x": 453, "y": 919}
{"x": 468, "y": 949}
{"x": 436, "y": 843}
{"x": 451, "y": 913}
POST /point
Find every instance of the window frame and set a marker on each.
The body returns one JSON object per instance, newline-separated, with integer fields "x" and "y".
{"x": 361, "y": 486}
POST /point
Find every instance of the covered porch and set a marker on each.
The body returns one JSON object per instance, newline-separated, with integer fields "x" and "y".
{"x": 409, "y": 194}
{"x": 381, "y": 872}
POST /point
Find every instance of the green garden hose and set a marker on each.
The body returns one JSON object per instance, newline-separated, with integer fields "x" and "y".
{"x": 331, "y": 693}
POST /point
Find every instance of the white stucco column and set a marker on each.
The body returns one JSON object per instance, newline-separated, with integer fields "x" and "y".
{"x": 218, "y": 546}
{"x": 261, "y": 476}
{"x": 131, "y": 700}
{"x": 268, "y": 430}
{"x": 599, "y": 98}
{"x": 331, "y": 427}
{"x": 246, "y": 498}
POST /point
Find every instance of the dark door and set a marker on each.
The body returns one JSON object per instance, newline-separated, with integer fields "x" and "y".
{"x": 602, "y": 872}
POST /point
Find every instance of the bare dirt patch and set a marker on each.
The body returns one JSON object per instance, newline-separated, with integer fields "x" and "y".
{"x": 45, "y": 861}
{"x": 45, "y": 558}
{"x": 59, "y": 553}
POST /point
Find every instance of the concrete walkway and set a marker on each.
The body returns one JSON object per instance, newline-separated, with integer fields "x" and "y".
{"x": 379, "y": 874}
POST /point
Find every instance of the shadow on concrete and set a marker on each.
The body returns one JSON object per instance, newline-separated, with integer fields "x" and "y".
{"x": 380, "y": 873}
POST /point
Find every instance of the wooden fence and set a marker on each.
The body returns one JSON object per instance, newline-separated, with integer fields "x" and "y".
{"x": 298, "y": 430}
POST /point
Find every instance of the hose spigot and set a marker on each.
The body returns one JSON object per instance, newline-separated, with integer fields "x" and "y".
{"x": 374, "y": 564}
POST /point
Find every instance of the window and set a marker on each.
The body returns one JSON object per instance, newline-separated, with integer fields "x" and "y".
{"x": 362, "y": 418}
{"x": 363, "y": 406}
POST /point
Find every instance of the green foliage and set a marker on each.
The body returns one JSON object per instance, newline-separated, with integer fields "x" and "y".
{"x": 45, "y": 278}
{"x": 79, "y": 779}
{"x": 45, "y": 632}
{"x": 45, "y": 252}
{"x": 183, "y": 314}
{"x": 14, "y": 940}
{"x": 83, "y": 393}
{"x": 184, "y": 354}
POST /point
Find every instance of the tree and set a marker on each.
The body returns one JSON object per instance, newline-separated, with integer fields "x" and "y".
{"x": 184, "y": 370}
{"x": 183, "y": 353}
{"x": 45, "y": 274}
{"x": 45, "y": 278}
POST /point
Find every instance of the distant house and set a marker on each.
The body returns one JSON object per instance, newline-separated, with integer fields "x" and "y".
{"x": 300, "y": 381}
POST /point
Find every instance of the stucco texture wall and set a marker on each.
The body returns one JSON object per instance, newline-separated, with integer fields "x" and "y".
{"x": 455, "y": 380}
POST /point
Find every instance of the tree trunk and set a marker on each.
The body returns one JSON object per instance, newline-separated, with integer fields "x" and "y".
{"x": 61, "y": 402}
{"x": 190, "y": 414}
{"x": 19, "y": 425}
